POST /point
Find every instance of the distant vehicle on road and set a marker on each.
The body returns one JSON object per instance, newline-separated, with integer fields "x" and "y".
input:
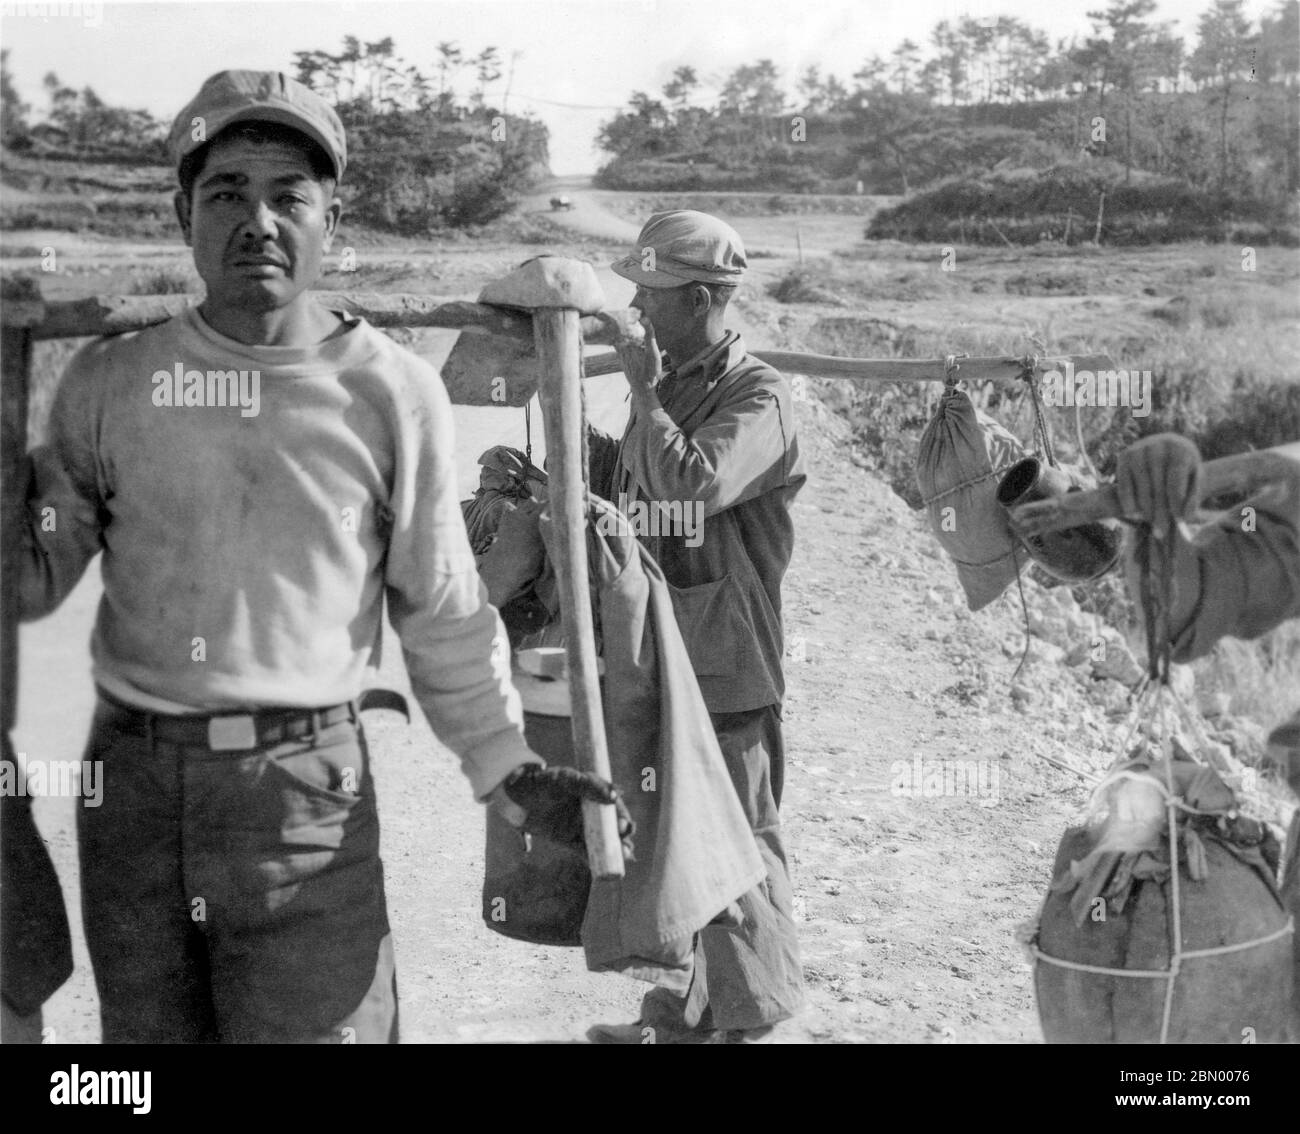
{"x": 560, "y": 203}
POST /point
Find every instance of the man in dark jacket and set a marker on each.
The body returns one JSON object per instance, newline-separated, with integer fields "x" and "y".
{"x": 1240, "y": 576}
{"x": 706, "y": 473}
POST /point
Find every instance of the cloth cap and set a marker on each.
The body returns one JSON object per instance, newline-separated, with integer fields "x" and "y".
{"x": 257, "y": 96}
{"x": 684, "y": 246}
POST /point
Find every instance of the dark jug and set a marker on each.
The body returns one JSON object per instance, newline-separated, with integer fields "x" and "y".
{"x": 1075, "y": 555}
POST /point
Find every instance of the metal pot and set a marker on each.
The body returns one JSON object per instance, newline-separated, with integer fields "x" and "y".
{"x": 1074, "y": 555}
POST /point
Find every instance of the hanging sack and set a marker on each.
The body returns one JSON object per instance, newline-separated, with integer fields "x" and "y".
{"x": 963, "y": 456}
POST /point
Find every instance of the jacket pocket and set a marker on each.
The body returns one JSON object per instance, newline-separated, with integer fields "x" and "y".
{"x": 715, "y": 625}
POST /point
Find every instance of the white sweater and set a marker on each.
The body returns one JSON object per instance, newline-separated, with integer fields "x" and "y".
{"x": 245, "y": 559}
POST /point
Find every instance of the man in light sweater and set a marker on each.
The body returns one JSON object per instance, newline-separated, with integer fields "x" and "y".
{"x": 259, "y": 473}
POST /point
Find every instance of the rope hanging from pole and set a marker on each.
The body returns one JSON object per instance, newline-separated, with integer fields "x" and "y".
{"x": 1029, "y": 375}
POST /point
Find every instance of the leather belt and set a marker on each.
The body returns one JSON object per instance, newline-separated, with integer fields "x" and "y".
{"x": 230, "y": 732}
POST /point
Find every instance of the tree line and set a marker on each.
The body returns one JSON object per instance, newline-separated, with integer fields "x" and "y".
{"x": 426, "y": 151}
{"x": 1219, "y": 112}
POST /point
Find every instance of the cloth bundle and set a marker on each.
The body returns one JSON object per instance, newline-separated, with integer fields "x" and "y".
{"x": 1111, "y": 909}
{"x": 962, "y": 457}
{"x": 695, "y": 852}
{"x": 534, "y": 889}
{"x": 503, "y": 483}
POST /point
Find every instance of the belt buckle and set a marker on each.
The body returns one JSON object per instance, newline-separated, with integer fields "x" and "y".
{"x": 235, "y": 732}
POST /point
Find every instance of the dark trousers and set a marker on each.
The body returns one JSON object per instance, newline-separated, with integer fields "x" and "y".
{"x": 236, "y": 897}
{"x": 747, "y": 975}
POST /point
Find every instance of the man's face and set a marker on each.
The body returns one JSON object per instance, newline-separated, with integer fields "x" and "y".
{"x": 669, "y": 310}
{"x": 259, "y": 223}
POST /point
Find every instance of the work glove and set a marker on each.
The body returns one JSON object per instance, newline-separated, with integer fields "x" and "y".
{"x": 552, "y": 799}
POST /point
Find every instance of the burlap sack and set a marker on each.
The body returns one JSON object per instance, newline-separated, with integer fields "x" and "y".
{"x": 962, "y": 456}
{"x": 1227, "y": 998}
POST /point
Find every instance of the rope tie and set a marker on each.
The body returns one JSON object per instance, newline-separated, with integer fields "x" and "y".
{"x": 1176, "y": 962}
{"x": 1170, "y": 800}
{"x": 1024, "y": 610}
{"x": 950, "y": 368}
{"x": 1029, "y": 375}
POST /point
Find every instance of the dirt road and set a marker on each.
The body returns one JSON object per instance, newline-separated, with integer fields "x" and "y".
{"x": 586, "y": 215}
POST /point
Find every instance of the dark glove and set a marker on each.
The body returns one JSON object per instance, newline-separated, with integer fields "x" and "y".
{"x": 552, "y": 798}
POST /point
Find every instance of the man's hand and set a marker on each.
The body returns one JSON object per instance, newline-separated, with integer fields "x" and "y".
{"x": 552, "y": 798}
{"x": 642, "y": 362}
{"x": 1158, "y": 480}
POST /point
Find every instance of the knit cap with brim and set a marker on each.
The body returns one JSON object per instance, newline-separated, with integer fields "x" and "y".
{"x": 257, "y": 96}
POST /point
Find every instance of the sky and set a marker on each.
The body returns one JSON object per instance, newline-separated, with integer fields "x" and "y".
{"x": 588, "y": 55}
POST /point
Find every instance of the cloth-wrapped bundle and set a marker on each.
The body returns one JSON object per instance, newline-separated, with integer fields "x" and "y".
{"x": 696, "y": 855}
{"x": 534, "y": 889}
{"x": 962, "y": 457}
{"x": 1110, "y": 909}
{"x": 508, "y": 477}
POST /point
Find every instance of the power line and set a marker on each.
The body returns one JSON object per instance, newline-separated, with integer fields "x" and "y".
{"x": 567, "y": 105}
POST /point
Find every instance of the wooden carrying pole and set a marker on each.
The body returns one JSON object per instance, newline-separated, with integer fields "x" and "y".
{"x": 1244, "y": 472}
{"x": 972, "y": 370}
{"x": 559, "y": 344}
{"x": 114, "y": 315}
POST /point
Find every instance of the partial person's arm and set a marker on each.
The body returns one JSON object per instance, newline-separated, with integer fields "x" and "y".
{"x": 1238, "y": 577}
{"x": 66, "y": 489}
{"x": 740, "y": 453}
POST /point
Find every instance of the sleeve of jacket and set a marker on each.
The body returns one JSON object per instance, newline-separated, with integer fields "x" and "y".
{"x": 740, "y": 452}
{"x": 1249, "y": 571}
{"x": 454, "y": 644}
{"x": 66, "y": 489}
